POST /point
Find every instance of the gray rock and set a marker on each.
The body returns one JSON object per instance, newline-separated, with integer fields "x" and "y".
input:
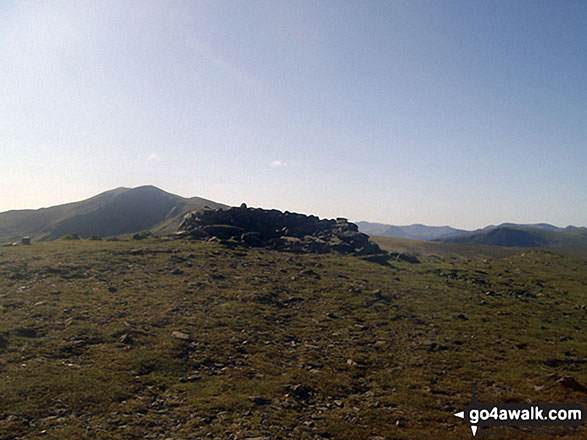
{"x": 301, "y": 392}
{"x": 180, "y": 335}
{"x": 223, "y": 231}
{"x": 278, "y": 230}
{"x": 258, "y": 400}
{"x": 252, "y": 239}
{"x": 198, "y": 233}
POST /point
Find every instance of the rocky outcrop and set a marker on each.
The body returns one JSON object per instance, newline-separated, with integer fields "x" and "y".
{"x": 255, "y": 227}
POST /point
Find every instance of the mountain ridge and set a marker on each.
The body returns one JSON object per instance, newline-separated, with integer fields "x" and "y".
{"x": 125, "y": 210}
{"x": 523, "y": 236}
{"x": 114, "y": 212}
{"x": 504, "y": 234}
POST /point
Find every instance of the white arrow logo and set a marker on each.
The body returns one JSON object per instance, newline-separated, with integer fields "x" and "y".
{"x": 461, "y": 415}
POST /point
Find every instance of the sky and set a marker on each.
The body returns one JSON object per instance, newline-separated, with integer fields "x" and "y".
{"x": 462, "y": 113}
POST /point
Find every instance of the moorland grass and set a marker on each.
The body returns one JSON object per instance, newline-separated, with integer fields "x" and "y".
{"x": 278, "y": 345}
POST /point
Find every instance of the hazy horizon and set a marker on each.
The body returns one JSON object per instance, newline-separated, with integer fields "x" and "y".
{"x": 272, "y": 207}
{"x": 455, "y": 113}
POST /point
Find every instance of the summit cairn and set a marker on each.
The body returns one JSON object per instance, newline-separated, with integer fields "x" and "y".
{"x": 287, "y": 231}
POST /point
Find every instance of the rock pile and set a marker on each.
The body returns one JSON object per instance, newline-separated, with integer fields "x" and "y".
{"x": 255, "y": 227}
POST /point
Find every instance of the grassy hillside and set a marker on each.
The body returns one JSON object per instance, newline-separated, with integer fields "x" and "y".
{"x": 442, "y": 249}
{"x": 120, "y": 211}
{"x": 15, "y": 224}
{"x": 524, "y": 236}
{"x": 437, "y": 249}
{"x": 194, "y": 340}
{"x": 460, "y": 251}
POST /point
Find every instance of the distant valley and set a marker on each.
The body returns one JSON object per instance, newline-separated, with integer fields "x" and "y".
{"x": 414, "y": 232}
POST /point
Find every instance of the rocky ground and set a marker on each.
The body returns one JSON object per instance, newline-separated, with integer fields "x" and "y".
{"x": 182, "y": 339}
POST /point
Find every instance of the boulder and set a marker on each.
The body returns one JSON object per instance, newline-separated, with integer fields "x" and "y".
{"x": 198, "y": 233}
{"x": 343, "y": 248}
{"x": 223, "y": 232}
{"x": 405, "y": 257}
{"x": 381, "y": 258}
{"x": 252, "y": 239}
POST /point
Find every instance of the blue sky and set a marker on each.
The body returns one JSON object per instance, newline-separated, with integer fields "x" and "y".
{"x": 457, "y": 112}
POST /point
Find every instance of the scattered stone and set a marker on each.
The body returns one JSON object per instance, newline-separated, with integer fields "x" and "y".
{"x": 180, "y": 335}
{"x": 437, "y": 347}
{"x": 398, "y": 256}
{"x": 178, "y": 258}
{"x": 309, "y": 273}
{"x": 301, "y": 392}
{"x": 571, "y": 383}
{"x": 191, "y": 378}
{"x": 258, "y": 400}
{"x": 126, "y": 339}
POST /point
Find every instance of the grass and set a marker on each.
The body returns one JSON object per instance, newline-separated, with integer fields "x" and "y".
{"x": 459, "y": 251}
{"x": 278, "y": 345}
{"x": 446, "y": 250}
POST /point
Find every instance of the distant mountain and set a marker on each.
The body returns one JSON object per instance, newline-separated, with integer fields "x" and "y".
{"x": 545, "y": 226}
{"x": 115, "y": 212}
{"x": 524, "y": 236}
{"x": 505, "y": 234}
{"x": 414, "y": 232}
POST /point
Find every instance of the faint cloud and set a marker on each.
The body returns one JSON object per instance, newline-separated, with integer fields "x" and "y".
{"x": 278, "y": 163}
{"x": 153, "y": 156}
